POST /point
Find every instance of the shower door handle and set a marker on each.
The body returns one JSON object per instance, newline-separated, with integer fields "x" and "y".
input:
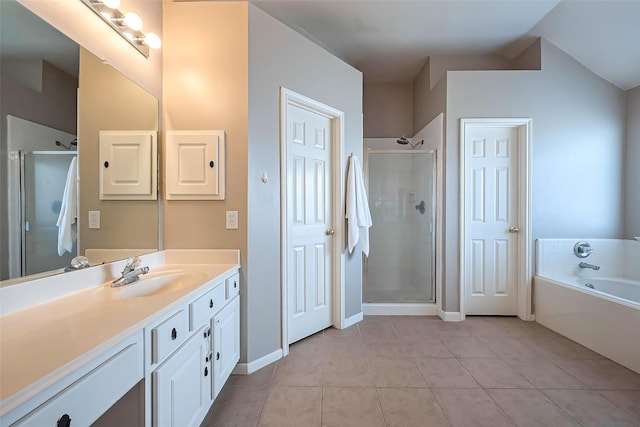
{"x": 329, "y": 232}
{"x": 420, "y": 207}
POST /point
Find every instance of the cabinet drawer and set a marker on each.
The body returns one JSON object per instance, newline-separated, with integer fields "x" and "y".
{"x": 92, "y": 395}
{"x": 233, "y": 286}
{"x": 203, "y": 309}
{"x": 169, "y": 335}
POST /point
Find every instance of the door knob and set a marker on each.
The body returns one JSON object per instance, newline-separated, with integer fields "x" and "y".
{"x": 329, "y": 232}
{"x": 513, "y": 229}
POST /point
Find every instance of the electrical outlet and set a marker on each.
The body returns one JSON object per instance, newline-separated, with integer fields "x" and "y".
{"x": 232, "y": 220}
{"x": 94, "y": 219}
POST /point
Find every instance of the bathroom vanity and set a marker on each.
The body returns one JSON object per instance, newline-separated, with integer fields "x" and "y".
{"x": 71, "y": 345}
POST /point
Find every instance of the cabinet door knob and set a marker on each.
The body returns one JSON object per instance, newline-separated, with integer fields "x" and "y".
{"x": 211, "y": 303}
{"x": 106, "y": 164}
{"x": 235, "y": 284}
{"x": 174, "y": 334}
{"x": 64, "y": 421}
{"x": 206, "y": 371}
{"x": 211, "y": 164}
{"x": 218, "y": 356}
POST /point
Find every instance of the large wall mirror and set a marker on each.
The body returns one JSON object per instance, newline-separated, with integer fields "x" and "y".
{"x": 55, "y": 98}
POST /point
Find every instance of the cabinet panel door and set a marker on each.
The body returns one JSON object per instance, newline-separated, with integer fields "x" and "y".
{"x": 181, "y": 392}
{"x": 195, "y": 165}
{"x": 226, "y": 343}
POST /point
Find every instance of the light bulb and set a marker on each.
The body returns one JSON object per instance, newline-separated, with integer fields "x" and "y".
{"x": 152, "y": 40}
{"x": 111, "y": 4}
{"x": 133, "y": 21}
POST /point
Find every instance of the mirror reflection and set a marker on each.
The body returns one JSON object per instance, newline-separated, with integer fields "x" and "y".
{"x": 55, "y": 98}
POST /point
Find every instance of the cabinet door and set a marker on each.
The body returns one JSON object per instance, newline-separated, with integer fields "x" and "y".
{"x": 128, "y": 168}
{"x": 181, "y": 385}
{"x": 226, "y": 343}
{"x": 195, "y": 165}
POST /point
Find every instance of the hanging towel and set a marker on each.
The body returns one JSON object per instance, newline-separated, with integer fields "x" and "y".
{"x": 358, "y": 215}
{"x": 68, "y": 211}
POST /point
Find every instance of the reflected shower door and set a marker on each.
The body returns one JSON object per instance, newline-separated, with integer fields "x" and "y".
{"x": 400, "y": 266}
{"x": 43, "y": 176}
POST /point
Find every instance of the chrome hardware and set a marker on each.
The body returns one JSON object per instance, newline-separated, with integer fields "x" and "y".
{"x": 582, "y": 249}
{"x": 131, "y": 273}
{"x": 329, "y": 232}
{"x": 513, "y": 229}
{"x": 587, "y": 265}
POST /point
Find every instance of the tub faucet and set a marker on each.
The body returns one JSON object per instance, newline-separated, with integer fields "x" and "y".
{"x": 591, "y": 266}
{"x": 131, "y": 273}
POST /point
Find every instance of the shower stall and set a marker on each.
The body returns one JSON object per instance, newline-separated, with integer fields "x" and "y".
{"x": 400, "y": 269}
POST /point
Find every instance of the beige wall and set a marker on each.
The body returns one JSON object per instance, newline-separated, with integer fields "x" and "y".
{"x": 388, "y": 109}
{"x": 428, "y": 100}
{"x": 109, "y": 101}
{"x": 205, "y": 88}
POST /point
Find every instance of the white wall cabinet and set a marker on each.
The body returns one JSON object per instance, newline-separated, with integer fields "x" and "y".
{"x": 195, "y": 165}
{"x": 128, "y": 165}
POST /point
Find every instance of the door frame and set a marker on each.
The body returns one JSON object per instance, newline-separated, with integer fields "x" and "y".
{"x": 524, "y": 126}
{"x": 289, "y": 97}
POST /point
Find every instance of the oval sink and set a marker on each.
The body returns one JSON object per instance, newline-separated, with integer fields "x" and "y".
{"x": 162, "y": 283}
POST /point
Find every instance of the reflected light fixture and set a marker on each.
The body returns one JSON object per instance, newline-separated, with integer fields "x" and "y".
{"x": 128, "y": 25}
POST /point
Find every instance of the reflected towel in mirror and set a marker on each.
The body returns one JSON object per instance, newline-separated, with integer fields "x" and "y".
{"x": 68, "y": 211}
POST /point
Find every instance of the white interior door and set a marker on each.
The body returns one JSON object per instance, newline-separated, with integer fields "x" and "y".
{"x": 308, "y": 246}
{"x": 491, "y": 226}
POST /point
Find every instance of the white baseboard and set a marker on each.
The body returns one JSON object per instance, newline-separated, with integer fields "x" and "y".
{"x": 450, "y": 316}
{"x": 350, "y": 321}
{"x": 248, "y": 368}
{"x": 400, "y": 309}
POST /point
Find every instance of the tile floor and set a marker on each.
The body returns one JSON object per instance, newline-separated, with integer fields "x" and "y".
{"x": 421, "y": 371}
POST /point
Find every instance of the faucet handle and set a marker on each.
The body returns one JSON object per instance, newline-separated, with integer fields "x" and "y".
{"x": 133, "y": 263}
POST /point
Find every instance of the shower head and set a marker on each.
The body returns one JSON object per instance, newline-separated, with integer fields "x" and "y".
{"x": 68, "y": 147}
{"x": 405, "y": 141}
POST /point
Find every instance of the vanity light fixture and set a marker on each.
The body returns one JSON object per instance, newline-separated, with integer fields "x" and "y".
{"x": 128, "y": 25}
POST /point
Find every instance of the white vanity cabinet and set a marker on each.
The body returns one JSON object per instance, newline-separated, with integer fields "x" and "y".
{"x": 193, "y": 350}
{"x": 101, "y": 383}
{"x": 182, "y": 394}
{"x": 226, "y": 343}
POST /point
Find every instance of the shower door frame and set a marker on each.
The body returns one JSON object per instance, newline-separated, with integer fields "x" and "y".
{"x": 411, "y": 308}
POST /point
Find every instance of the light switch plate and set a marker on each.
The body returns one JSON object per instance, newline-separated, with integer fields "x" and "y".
{"x": 232, "y": 220}
{"x": 94, "y": 219}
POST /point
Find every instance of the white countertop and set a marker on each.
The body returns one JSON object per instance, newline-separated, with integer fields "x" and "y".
{"x": 39, "y": 342}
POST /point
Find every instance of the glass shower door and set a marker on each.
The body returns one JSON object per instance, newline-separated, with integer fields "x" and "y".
{"x": 43, "y": 176}
{"x": 400, "y": 266}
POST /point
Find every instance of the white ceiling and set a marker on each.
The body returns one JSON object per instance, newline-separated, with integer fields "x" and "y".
{"x": 389, "y": 40}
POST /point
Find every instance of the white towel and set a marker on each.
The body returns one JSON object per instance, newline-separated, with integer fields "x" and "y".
{"x": 358, "y": 215}
{"x": 68, "y": 211}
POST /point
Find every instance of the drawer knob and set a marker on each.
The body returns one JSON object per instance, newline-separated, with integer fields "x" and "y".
{"x": 174, "y": 334}
{"x": 218, "y": 356}
{"x": 211, "y": 303}
{"x": 64, "y": 421}
{"x": 206, "y": 371}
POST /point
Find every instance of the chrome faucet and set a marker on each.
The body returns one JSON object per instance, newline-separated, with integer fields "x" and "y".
{"x": 131, "y": 273}
{"x": 587, "y": 265}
